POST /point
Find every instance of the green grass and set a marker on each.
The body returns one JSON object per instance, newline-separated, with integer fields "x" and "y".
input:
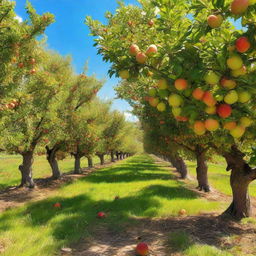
{"x": 10, "y": 175}
{"x": 219, "y": 177}
{"x": 145, "y": 190}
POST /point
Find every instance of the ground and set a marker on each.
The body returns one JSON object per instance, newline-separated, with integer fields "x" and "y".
{"x": 150, "y": 198}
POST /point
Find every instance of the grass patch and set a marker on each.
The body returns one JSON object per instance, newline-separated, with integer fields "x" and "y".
{"x": 203, "y": 250}
{"x": 145, "y": 190}
{"x": 179, "y": 240}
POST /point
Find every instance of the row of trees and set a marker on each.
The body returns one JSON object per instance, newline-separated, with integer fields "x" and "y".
{"x": 190, "y": 76}
{"x": 47, "y": 108}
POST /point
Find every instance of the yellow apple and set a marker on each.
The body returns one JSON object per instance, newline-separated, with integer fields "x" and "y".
{"x": 231, "y": 97}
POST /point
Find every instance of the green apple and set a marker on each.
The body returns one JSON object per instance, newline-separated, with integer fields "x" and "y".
{"x": 237, "y": 132}
{"x": 235, "y": 62}
{"x": 246, "y": 121}
{"x": 231, "y": 97}
{"x": 175, "y": 100}
{"x": 161, "y": 107}
{"x": 176, "y": 111}
{"x": 152, "y": 92}
{"x": 244, "y": 96}
{"x": 124, "y": 74}
{"x": 212, "y": 78}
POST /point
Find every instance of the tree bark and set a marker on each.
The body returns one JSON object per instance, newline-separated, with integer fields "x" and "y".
{"x": 90, "y": 162}
{"x": 117, "y": 155}
{"x": 112, "y": 156}
{"x": 202, "y": 170}
{"x": 26, "y": 169}
{"x": 179, "y": 164}
{"x": 101, "y": 157}
{"x": 77, "y": 169}
{"x": 51, "y": 158}
{"x": 241, "y": 177}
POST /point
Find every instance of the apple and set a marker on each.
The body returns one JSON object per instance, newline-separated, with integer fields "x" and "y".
{"x": 231, "y": 97}
{"x": 151, "y": 23}
{"x": 199, "y": 128}
{"x": 101, "y": 215}
{"x": 211, "y": 78}
{"x": 162, "y": 84}
{"x": 161, "y": 107}
{"x": 163, "y": 93}
{"x": 243, "y": 44}
{"x": 176, "y": 111}
{"x": 57, "y": 205}
{"x": 237, "y": 132}
{"x": 219, "y": 97}
{"x": 198, "y": 94}
{"x": 244, "y": 96}
{"x": 182, "y": 212}
{"x": 181, "y": 84}
{"x": 181, "y": 118}
{"x": 21, "y": 65}
{"x": 32, "y": 71}
{"x": 152, "y": 92}
{"x": 153, "y": 101}
{"x": 228, "y": 83}
{"x": 215, "y": 21}
{"x": 134, "y": 49}
{"x": 175, "y": 100}
{"x": 246, "y": 121}
{"x": 224, "y": 110}
{"x": 239, "y": 72}
{"x": 235, "y": 62}
{"x": 130, "y": 23}
{"x": 239, "y": 6}
{"x": 211, "y": 124}
{"x": 230, "y": 125}
{"x": 150, "y": 73}
{"x": 124, "y": 74}
{"x": 152, "y": 49}
{"x": 12, "y": 105}
{"x": 142, "y": 249}
{"x": 211, "y": 110}
{"x": 141, "y": 57}
{"x": 32, "y": 61}
{"x": 208, "y": 99}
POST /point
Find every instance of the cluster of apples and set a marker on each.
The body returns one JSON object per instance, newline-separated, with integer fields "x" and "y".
{"x": 238, "y": 7}
{"x": 140, "y": 56}
{"x": 30, "y": 62}
{"x": 13, "y": 104}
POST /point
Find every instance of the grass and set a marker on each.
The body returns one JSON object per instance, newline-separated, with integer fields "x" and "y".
{"x": 10, "y": 175}
{"x": 145, "y": 190}
{"x": 219, "y": 177}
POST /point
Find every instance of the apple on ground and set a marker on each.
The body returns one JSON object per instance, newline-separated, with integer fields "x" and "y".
{"x": 57, "y": 205}
{"x": 101, "y": 215}
{"x": 142, "y": 249}
{"x": 182, "y": 212}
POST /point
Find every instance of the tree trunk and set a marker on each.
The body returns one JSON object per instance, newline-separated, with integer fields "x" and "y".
{"x": 101, "y": 157}
{"x": 121, "y": 156}
{"x": 179, "y": 164}
{"x": 202, "y": 171}
{"x": 90, "y": 162}
{"x": 117, "y": 155}
{"x": 26, "y": 169}
{"x": 51, "y": 158}
{"x": 112, "y": 156}
{"x": 241, "y": 176}
{"x": 77, "y": 169}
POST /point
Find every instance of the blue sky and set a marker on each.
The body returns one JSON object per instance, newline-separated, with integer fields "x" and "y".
{"x": 69, "y": 35}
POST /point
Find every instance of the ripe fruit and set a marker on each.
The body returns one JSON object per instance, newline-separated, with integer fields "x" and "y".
{"x": 211, "y": 78}
{"x": 152, "y": 49}
{"x": 198, "y": 94}
{"x": 162, "y": 84}
{"x": 181, "y": 118}
{"x": 237, "y": 132}
{"x": 124, "y": 74}
{"x": 246, "y": 121}
{"x": 181, "y": 84}
{"x": 242, "y": 44}
{"x": 211, "y": 110}
{"x": 134, "y": 49}
{"x": 239, "y": 72}
{"x": 244, "y": 96}
{"x": 57, "y": 205}
{"x": 199, "y": 128}
{"x": 208, "y": 99}
{"x": 142, "y": 249}
{"x": 176, "y": 111}
{"x": 235, "y": 62}
{"x": 101, "y": 215}
{"x": 151, "y": 23}
{"x": 215, "y": 21}
{"x": 228, "y": 83}
{"x": 161, "y": 107}
{"x": 175, "y": 100}
{"x": 224, "y": 110}
{"x": 230, "y": 125}
{"x": 21, "y": 65}
{"x": 231, "y": 97}
{"x": 211, "y": 125}
{"x": 153, "y": 101}
{"x": 239, "y": 6}
{"x": 32, "y": 61}
{"x": 32, "y": 71}
{"x": 141, "y": 58}
{"x": 117, "y": 197}
{"x": 182, "y": 212}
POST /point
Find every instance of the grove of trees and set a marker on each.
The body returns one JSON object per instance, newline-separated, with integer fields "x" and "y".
{"x": 190, "y": 76}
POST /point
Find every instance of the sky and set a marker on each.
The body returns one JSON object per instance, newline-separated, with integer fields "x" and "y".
{"x": 70, "y": 36}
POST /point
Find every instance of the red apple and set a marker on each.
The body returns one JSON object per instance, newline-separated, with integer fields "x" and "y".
{"x": 57, "y": 205}
{"x": 181, "y": 84}
{"x": 141, "y": 57}
{"x": 224, "y": 110}
{"x": 32, "y": 61}
{"x": 198, "y": 94}
{"x": 243, "y": 44}
{"x": 134, "y": 49}
{"x": 101, "y": 215}
{"x": 32, "y": 71}
{"x": 151, "y": 23}
{"x": 215, "y": 21}
{"x": 208, "y": 99}
{"x": 239, "y": 6}
{"x": 152, "y": 49}
{"x": 142, "y": 249}
{"x": 21, "y": 65}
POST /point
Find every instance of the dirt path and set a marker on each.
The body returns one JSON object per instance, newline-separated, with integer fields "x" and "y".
{"x": 15, "y": 196}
